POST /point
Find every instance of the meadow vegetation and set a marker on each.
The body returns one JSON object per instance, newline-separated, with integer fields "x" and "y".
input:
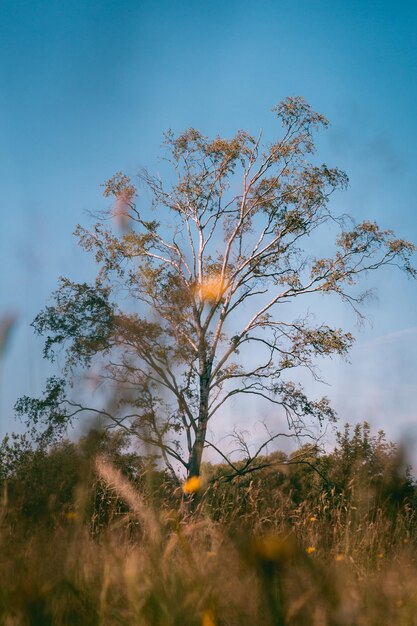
{"x": 94, "y": 534}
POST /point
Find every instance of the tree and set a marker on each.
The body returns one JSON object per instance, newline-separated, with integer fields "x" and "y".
{"x": 202, "y": 274}
{"x": 365, "y": 463}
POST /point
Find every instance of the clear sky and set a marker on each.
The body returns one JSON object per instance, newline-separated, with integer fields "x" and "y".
{"x": 88, "y": 87}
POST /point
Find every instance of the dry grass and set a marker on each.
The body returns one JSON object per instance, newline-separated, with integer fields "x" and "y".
{"x": 245, "y": 557}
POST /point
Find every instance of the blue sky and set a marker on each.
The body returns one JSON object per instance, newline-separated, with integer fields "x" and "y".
{"x": 88, "y": 87}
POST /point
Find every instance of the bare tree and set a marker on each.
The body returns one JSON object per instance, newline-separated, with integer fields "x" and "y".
{"x": 201, "y": 275}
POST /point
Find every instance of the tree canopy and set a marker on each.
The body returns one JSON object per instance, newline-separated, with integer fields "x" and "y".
{"x": 187, "y": 310}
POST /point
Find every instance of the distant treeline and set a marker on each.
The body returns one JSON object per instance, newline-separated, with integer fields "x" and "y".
{"x": 43, "y": 483}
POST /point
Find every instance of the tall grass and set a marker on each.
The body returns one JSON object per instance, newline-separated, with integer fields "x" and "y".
{"x": 252, "y": 552}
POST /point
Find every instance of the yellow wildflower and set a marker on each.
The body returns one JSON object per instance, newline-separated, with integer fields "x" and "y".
{"x": 312, "y": 518}
{"x": 310, "y": 549}
{"x": 211, "y": 288}
{"x": 207, "y": 619}
{"x": 272, "y": 548}
{"x": 192, "y": 485}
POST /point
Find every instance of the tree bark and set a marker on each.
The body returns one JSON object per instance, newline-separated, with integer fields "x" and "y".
{"x": 196, "y": 455}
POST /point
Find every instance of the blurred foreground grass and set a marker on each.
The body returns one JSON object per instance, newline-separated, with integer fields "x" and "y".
{"x": 90, "y": 535}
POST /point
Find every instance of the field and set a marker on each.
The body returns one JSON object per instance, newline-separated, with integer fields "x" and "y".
{"x": 91, "y": 535}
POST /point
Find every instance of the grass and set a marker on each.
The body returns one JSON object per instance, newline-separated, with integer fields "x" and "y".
{"x": 253, "y": 552}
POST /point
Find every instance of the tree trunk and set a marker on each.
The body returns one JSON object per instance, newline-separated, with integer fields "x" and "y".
{"x": 196, "y": 455}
